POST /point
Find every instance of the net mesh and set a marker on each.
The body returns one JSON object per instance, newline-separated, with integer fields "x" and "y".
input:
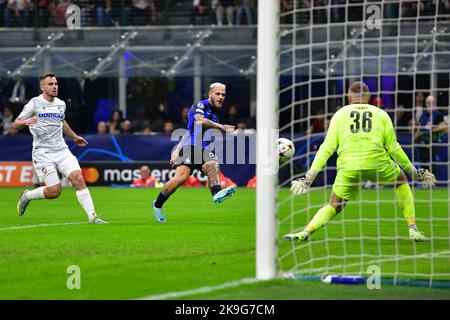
{"x": 400, "y": 49}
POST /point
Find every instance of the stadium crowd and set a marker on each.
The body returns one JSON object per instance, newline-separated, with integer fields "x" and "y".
{"x": 104, "y": 13}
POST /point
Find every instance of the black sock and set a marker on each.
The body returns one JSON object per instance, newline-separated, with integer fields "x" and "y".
{"x": 160, "y": 200}
{"x": 215, "y": 189}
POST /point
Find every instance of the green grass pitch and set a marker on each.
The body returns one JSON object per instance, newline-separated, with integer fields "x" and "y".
{"x": 202, "y": 244}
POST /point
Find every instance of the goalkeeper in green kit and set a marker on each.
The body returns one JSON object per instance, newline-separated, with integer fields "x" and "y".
{"x": 367, "y": 149}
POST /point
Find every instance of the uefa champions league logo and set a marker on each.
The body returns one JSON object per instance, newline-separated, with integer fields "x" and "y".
{"x": 73, "y": 17}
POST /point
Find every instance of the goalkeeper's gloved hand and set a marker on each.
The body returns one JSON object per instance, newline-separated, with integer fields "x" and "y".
{"x": 425, "y": 178}
{"x": 300, "y": 186}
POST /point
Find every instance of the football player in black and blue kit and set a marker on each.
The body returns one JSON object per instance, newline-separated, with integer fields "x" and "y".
{"x": 195, "y": 150}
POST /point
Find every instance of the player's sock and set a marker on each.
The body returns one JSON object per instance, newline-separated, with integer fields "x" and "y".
{"x": 406, "y": 203}
{"x": 215, "y": 189}
{"x": 37, "y": 193}
{"x": 321, "y": 218}
{"x": 84, "y": 198}
{"x": 160, "y": 200}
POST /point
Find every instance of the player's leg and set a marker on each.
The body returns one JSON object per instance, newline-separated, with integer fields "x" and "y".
{"x": 211, "y": 168}
{"x": 320, "y": 219}
{"x": 345, "y": 187}
{"x": 47, "y": 175}
{"x": 406, "y": 205}
{"x": 84, "y": 196}
{"x": 182, "y": 173}
{"x": 68, "y": 165}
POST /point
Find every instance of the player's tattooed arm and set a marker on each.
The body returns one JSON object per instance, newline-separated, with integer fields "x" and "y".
{"x": 208, "y": 124}
{"x": 80, "y": 141}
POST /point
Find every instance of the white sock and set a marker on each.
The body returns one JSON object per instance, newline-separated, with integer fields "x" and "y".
{"x": 35, "y": 194}
{"x": 84, "y": 198}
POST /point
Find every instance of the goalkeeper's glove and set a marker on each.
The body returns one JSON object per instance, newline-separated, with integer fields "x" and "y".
{"x": 302, "y": 185}
{"x": 425, "y": 178}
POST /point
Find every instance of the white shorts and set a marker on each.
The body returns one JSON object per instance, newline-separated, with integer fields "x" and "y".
{"x": 48, "y": 163}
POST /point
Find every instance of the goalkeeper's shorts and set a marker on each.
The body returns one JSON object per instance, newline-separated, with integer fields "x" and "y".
{"x": 347, "y": 182}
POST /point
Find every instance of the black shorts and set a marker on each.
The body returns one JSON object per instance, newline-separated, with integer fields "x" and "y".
{"x": 194, "y": 157}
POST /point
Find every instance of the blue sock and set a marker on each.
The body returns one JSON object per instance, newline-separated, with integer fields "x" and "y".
{"x": 160, "y": 200}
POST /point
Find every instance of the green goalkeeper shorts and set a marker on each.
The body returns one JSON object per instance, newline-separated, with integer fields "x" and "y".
{"x": 346, "y": 185}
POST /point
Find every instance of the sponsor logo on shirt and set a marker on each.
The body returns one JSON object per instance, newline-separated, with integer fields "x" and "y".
{"x": 51, "y": 115}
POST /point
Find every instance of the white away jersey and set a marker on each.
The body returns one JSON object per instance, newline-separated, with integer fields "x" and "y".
{"x": 48, "y": 131}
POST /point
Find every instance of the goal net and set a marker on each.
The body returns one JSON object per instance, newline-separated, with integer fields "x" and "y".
{"x": 401, "y": 50}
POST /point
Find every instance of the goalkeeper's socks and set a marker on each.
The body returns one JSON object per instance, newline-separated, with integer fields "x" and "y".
{"x": 321, "y": 218}
{"x": 406, "y": 202}
{"x": 35, "y": 194}
{"x": 215, "y": 189}
{"x": 160, "y": 200}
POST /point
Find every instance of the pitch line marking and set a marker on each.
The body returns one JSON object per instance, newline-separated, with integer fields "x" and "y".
{"x": 41, "y": 225}
{"x": 206, "y": 289}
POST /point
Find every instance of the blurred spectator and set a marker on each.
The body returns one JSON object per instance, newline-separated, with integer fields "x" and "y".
{"x": 18, "y": 11}
{"x": 12, "y": 130}
{"x": 251, "y": 123}
{"x": 402, "y": 118}
{"x": 147, "y": 130}
{"x": 2, "y": 12}
{"x": 432, "y": 128}
{"x": 160, "y": 118}
{"x": 184, "y": 117}
{"x": 146, "y": 180}
{"x": 251, "y": 184}
{"x": 232, "y": 115}
{"x": 113, "y": 13}
{"x": 199, "y": 9}
{"x": 102, "y": 129}
{"x": 243, "y": 6}
{"x": 142, "y": 12}
{"x": 287, "y": 6}
{"x": 168, "y": 127}
{"x": 419, "y": 104}
{"x": 127, "y": 127}
{"x": 318, "y": 123}
{"x": 59, "y": 12}
{"x": 222, "y": 6}
{"x": 241, "y": 128}
{"x": 115, "y": 122}
{"x": 192, "y": 182}
{"x": 6, "y": 120}
{"x": 378, "y": 102}
{"x": 44, "y": 12}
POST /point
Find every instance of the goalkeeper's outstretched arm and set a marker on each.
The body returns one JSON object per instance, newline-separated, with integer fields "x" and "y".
{"x": 326, "y": 149}
{"x": 423, "y": 176}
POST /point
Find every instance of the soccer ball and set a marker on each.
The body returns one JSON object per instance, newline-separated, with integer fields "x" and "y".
{"x": 286, "y": 149}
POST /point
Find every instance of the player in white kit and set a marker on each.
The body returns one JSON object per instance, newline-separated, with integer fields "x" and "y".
{"x": 45, "y": 117}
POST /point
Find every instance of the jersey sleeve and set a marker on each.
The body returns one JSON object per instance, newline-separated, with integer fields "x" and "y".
{"x": 28, "y": 111}
{"x": 393, "y": 147}
{"x": 200, "y": 109}
{"x": 328, "y": 146}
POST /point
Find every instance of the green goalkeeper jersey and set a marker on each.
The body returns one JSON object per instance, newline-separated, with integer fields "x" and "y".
{"x": 365, "y": 138}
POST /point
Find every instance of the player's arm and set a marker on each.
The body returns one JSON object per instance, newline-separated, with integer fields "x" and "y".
{"x": 200, "y": 120}
{"x": 396, "y": 152}
{"x": 80, "y": 141}
{"x": 26, "y": 117}
{"x": 325, "y": 151}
